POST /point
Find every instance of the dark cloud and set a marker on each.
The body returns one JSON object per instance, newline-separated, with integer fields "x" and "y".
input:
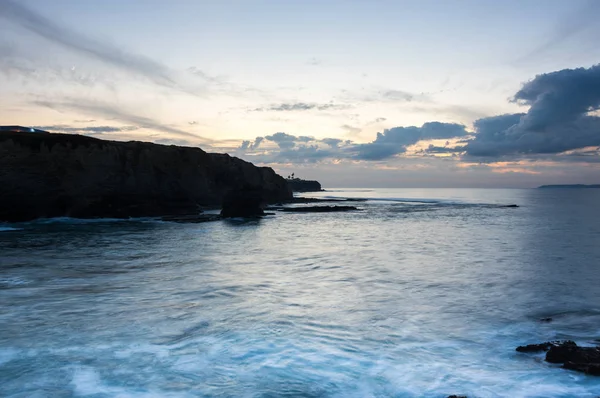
{"x": 284, "y": 140}
{"x": 256, "y": 143}
{"x": 395, "y": 140}
{"x": 332, "y": 142}
{"x": 300, "y": 106}
{"x": 433, "y": 149}
{"x": 251, "y": 146}
{"x": 387, "y": 144}
{"x": 245, "y": 145}
{"x": 558, "y": 119}
{"x": 115, "y": 112}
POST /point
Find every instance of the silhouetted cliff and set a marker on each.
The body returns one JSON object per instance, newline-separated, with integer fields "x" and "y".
{"x": 299, "y": 185}
{"x": 50, "y": 175}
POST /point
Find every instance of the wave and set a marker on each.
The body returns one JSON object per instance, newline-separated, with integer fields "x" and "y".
{"x": 7, "y": 229}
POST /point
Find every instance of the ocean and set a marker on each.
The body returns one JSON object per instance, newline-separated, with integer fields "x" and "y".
{"x": 422, "y": 293}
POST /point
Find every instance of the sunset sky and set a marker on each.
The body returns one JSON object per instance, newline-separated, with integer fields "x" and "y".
{"x": 464, "y": 93}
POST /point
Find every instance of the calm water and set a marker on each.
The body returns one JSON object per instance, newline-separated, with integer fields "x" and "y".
{"x": 423, "y": 293}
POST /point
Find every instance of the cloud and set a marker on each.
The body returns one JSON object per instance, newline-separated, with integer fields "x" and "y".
{"x": 399, "y": 95}
{"x": 571, "y": 25}
{"x": 256, "y": 143}
{"x": 332, "y": 142}
{"x": 558, "y": 119}
{"x": 351, "y": 129}
{"x": 433, "y": 149}
{"x": 245, "y": 145}
{"x": 391, "y": 142}
{"x": 114, "y": 112}
{"x": 63, "y": 128}
{"x": 395, "y": 140}
{"x": 300, "y": 106}
{"x": 17, "y": 13}
{"x": 284, "y": 140}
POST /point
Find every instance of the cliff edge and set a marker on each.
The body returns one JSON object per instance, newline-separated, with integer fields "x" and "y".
{"x": 54, "y": 175}
{"x": 299, "y": 185}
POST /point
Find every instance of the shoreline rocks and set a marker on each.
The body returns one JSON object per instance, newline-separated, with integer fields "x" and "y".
{"x": 318, "y": 209}
{"x": 569, "y": 354}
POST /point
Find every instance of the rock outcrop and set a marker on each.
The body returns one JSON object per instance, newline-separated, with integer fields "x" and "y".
{"x": 569, "y": 354}
{"x": 245, "y": 202}
{"x": 299, "y": 185}
{"x": 52, "y": 175}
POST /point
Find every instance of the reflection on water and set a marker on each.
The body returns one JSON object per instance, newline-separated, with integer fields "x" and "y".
{"x": 423, "y": 293}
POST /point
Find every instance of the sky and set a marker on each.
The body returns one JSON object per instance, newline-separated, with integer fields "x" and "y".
{"x": 378, "y": 93}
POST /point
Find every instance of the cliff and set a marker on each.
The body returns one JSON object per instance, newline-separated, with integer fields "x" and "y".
{"x": 299, "y": 185}
{"x": 52, "y": 175}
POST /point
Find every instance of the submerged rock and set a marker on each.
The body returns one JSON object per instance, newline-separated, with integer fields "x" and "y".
{"x": 572, "y": 356}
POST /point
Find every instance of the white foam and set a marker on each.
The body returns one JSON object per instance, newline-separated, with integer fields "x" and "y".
{"x": 14, "y": 281}
{"x": 7, "y": 229}
{"x": 86, "y": 381}
{"x": 7, "y": 355}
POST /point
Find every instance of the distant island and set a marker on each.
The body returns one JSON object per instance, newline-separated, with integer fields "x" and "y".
{"x": 299, "y": 185}
{"x": 571, "y": 186}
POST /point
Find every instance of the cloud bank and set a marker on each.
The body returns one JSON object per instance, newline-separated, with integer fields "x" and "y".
{"x": 559, "y": 118}
{"x": 389, "y": 143}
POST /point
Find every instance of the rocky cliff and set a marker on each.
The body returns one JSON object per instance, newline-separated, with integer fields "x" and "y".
{"x": 299, "y": 185}
{"x": 52, "y": 175}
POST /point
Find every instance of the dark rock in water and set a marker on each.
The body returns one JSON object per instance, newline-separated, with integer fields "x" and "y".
{"x": 536, "y": 347}
{"x": 319, "y": 209}
{"x": 298, "y": 185}
{"x": 301, "y": 199}
{"x": 568, "y": 351}
{"x": 192, "y": 219}
{"x": 246, "y": 202}
{"x": 546, "y": 320}
{"x": 573, "y": 357}
{"x": 56, "y": 175}
{"x": 593, "y": 369}
{"x": 511, "y": 206}
{"x": 457, "y": 396}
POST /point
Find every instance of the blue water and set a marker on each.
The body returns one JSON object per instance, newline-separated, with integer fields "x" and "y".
{"x": 423, "y": 293}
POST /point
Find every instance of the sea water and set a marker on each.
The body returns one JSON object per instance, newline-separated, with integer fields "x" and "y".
{"x": 422, "y": 293}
